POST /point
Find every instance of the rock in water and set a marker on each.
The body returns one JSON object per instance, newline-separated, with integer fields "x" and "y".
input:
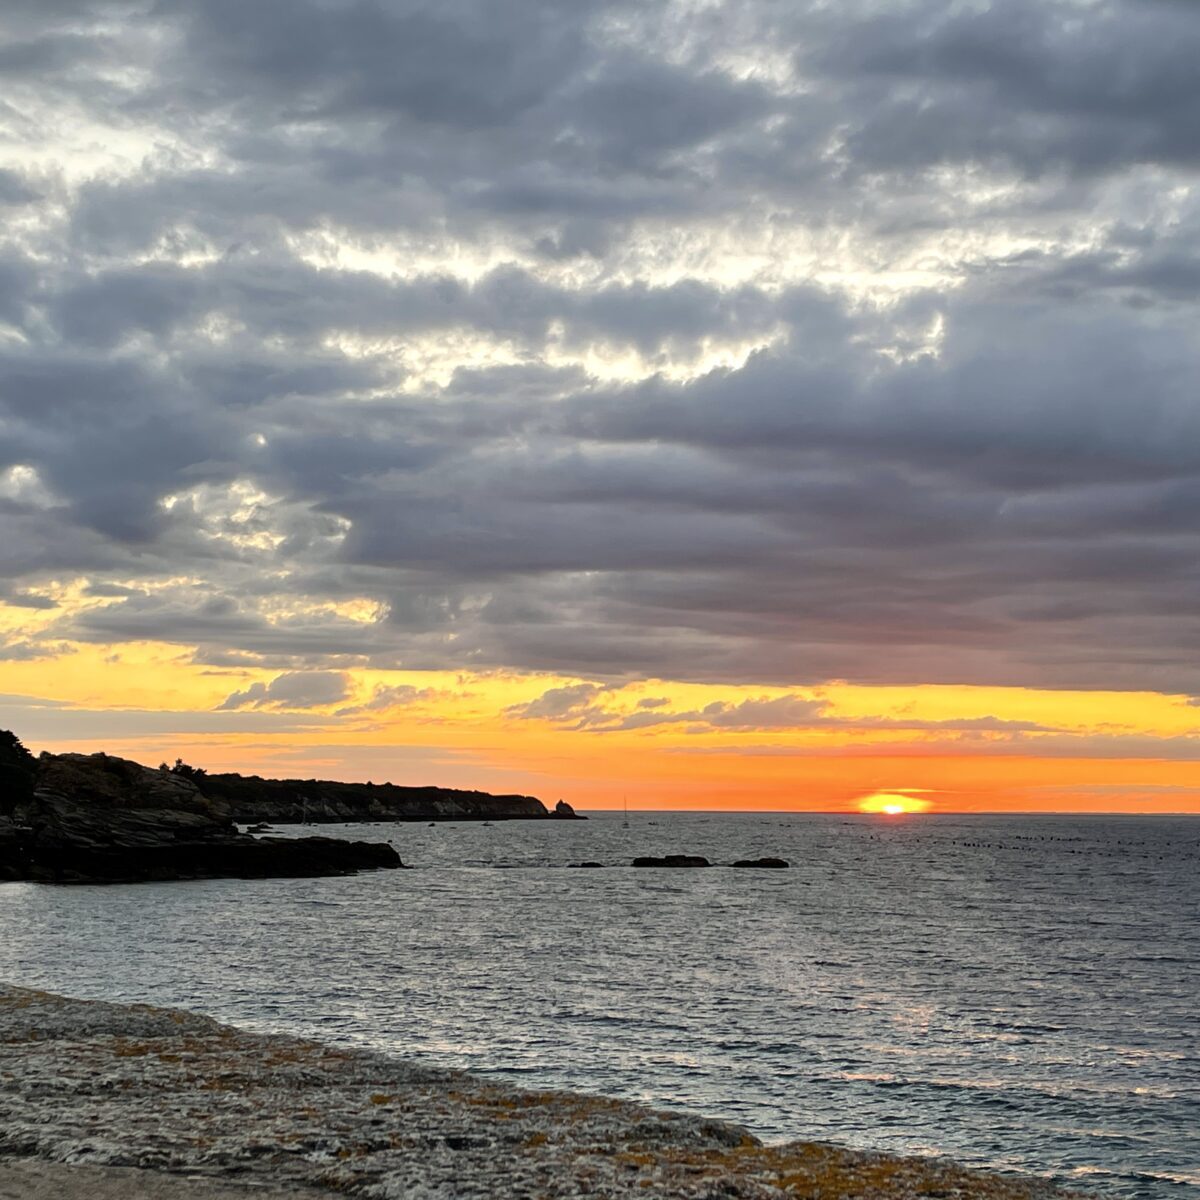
{"x": 93, "y": 818}
{"x": 673, "y": 860}
{"x": 762, "y": 862}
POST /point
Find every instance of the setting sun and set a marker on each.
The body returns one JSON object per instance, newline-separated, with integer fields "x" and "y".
{"x": 892, "y": 804}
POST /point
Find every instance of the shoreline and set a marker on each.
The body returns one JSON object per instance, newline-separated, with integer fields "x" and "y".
{"x": 172, "y": 1098}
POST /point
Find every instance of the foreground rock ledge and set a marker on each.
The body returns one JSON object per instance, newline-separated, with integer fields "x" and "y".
{"x": 115, "y": 1086}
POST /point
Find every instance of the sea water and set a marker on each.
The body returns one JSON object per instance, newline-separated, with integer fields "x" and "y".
{"x": 1021, "y": 993}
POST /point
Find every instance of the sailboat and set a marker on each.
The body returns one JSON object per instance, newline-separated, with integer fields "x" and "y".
{"x": 625, "y": 823}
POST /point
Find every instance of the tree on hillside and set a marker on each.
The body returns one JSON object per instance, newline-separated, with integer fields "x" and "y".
{"x": 18, "y": 770}
{"x": 182, "y": 768}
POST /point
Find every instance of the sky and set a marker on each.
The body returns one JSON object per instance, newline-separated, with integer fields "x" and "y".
{"x": 767, "y": 405}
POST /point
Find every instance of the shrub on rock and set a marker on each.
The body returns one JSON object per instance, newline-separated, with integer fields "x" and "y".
{"x": 18, "y": 771}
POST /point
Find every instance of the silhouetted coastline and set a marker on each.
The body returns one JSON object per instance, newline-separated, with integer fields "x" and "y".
{"x": 96, "y": 818}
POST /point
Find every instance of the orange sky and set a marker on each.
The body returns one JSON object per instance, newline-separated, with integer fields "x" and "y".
{"x": 662, "y": 744}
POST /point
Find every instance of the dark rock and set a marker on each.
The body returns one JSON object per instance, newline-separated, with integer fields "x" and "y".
{"x": 564, "y": 811}
{"x": 585, "y": 864}
{"x": 251, "y": 799}
{"x": 673, "y": 860}
{"x": 98, "y": 819}
{"x": 762, "y": 862}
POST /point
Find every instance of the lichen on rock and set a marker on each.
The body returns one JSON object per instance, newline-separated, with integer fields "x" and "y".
{"x": 134, "y": 1086}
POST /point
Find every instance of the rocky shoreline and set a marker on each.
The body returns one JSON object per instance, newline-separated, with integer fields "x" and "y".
{"x": 164, "y": 1095}
{"x": 93, "y": 818}
{"x": 96, "y": 818}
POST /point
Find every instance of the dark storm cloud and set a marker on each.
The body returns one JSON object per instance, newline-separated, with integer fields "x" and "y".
{"x": 775, "y": 343}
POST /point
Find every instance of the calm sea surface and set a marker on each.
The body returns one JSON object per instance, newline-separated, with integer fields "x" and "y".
{"x": 1021, "y": 993}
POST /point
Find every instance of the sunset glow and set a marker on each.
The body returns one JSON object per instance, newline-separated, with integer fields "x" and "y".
{"x": 664, "y": 744}
{"x": 892, "y": 804}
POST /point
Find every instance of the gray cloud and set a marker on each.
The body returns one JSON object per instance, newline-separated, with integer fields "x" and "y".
{"x": 582, "y": 706}
{"x": 1083, "y": 87}
{"x": 385, "y": 698}
{"x": 14, "y": 190}
{"x": 1182, "y": 748}
{"x": 560, "y": 703}
{"x": 760, "y": 344}
{"x": 296, "y": 689}
{"x": 31, "y": 651}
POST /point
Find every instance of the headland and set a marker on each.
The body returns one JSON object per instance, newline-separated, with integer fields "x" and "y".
{"x": 96, "y": 818}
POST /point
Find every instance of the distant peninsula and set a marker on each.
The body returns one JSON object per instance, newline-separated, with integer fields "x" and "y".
{"x": 96, "y": 818}
{"x": 252, "y": 800}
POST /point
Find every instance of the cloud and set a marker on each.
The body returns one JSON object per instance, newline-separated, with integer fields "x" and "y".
{"x": 32, "y": 651}
{"x": 293, "y": 690}
{"x": 37, "y": 720}
{"x": 14, "y": 190}
{"x": 745, "y": 344}
{"x": 385, "y": 698}
{"x": 559, "y": 703}
{"x": 27, "y": 600}
{"x": 1082, "y": 87}
{"x": 598, "y": 709}
{"x": 1148, "y": 748}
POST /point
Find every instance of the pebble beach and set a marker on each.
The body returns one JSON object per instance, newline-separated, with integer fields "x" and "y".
{"x": 104, "y": 1100}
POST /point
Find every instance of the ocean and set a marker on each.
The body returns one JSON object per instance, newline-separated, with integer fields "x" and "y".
{"x": 1020, "y": 993}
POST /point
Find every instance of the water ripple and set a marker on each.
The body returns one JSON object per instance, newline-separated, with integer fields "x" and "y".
{"x": 1015, "y": 992}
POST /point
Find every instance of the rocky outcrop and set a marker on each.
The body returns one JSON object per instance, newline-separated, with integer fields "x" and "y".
{"x": 252, "y": 800}
{"x": 673, "y": 860}
{"x": 95, "y": 818}
{"x": 774, "y": 863}
{"x": 165, "y": 1095}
